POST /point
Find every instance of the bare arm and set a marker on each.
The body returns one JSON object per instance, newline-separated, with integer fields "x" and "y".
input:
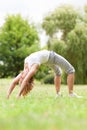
{"x": 13, "y": 85}
{"x": 30, "y": 74}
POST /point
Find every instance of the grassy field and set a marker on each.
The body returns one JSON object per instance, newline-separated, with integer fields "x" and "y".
{"x": 40, "y": 111}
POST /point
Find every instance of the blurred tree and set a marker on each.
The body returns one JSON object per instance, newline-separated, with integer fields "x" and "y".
{"x": 85, "y": 15}
{"x": 58, "y": 46}
{"x": 85, "y": 9}
{"x": 77, "y": 51}
{"x": 72, "y": 44}
{"x": 18, "y": 39}
{"x": 61, "y": 19}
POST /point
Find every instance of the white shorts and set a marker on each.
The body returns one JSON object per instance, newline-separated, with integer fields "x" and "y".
{"x": 57, "y": 62}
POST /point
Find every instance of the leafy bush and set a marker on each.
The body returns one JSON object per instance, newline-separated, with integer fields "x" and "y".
{"x": 42, "y": 72}
{"x": 18, "y": 39}
{"x": 49, "y": 79}
{"x": 58, "y": 46}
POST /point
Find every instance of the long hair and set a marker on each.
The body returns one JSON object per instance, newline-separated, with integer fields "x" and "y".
{"x": 28, "y": 87}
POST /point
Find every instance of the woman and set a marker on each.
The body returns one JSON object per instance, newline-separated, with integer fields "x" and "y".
{"x": 53, "y": 60}
{"x": 19, "y": 79}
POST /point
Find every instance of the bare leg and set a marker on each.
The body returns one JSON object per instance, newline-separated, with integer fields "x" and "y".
{"x": 57, "y": 81}
{"x": 70, "y": 82}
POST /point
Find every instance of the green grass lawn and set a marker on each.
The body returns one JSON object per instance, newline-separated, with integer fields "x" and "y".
{"x": 40, "y": 111}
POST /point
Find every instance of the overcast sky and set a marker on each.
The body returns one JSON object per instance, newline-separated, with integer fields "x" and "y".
{"x": 33, "y": 9}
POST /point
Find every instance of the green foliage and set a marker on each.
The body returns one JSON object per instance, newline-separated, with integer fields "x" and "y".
{"x": 85, "y": 14}
{"x": 49, "y": 79}
{"x": 62, "y": 18}
{"x": 18, "y": 39}
{"x": 73, "y": 44}
{"x": 77, "y": 51}
{"x": 58, "y": 46}
{"x": 42, "y": 72}
{"x": 85, "y": 8}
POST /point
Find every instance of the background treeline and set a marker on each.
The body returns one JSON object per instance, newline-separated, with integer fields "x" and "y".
{"x": 66, "y": 28}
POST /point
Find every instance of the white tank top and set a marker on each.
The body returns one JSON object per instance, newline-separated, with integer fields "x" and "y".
{"x": 39, "y": 57}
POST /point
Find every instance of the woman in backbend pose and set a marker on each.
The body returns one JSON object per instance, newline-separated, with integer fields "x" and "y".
{"x": 32, "y": 64}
